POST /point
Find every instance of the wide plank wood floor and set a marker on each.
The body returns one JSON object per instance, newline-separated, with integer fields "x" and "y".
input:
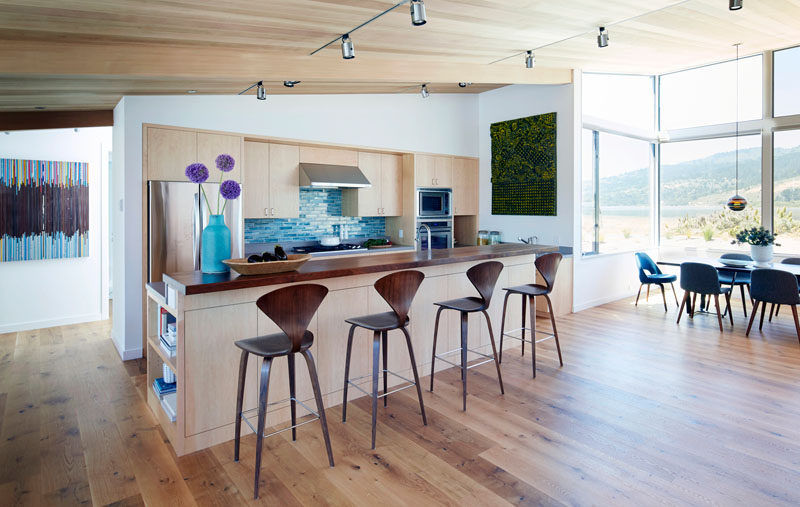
{"x": 644, "y": 412}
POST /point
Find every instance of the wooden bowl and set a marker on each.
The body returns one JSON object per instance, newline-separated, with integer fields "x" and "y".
{"x": 243, "y": 267}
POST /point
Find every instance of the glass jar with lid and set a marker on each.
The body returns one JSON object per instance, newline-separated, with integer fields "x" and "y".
{"x": 494, "y": 238}
{"x": 483, "y": 237}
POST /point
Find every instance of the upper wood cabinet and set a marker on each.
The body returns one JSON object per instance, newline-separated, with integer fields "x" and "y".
{"x": 385, "y": 197}
{"x": 318, "y": 155}
{"x": 465, "y": 186}
{"x": 209, "y": 146}
{"x": 433, "y": 171}
{"x": 271, "y": 186}
{"x": 169, "y": 152}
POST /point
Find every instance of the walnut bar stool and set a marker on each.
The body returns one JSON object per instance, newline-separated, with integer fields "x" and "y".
{"x": 398, "y": 289}
{"x": 291, "y": 308}
{"x": 484, "y": 277}
{"x": 547, "y": 266}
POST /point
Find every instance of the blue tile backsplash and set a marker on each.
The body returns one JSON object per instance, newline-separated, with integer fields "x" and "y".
{"x": 320, "y": 215}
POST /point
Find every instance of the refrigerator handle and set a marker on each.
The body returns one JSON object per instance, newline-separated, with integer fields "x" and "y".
{"x": 197, "y": 226}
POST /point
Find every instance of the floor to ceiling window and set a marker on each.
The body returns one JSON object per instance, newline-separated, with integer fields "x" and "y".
{"x": 616, "y": 214}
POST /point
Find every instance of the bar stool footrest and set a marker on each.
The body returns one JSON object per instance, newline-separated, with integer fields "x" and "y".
{"x": 353, "y": 382}
{"x": 315, "y": 418}
{"x": 488, "y": 357}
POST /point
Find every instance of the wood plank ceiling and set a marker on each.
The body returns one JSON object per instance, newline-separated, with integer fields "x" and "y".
{"x": 86, "y": 54}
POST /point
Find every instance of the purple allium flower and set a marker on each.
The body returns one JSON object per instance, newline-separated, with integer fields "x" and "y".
{"x": 230, "y": 189}
{"x": 197, "y": 172}
{"x": 225, "y": 162}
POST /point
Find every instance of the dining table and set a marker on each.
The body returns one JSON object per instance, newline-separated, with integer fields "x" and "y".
{"x": 731, "y": 267}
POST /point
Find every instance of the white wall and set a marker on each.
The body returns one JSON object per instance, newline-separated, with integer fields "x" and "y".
{"x": 439, "y": 124}
{"x": 519, "y": 101}
{"x": 44, "y": 293}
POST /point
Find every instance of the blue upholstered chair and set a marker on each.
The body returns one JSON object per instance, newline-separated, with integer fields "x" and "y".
{"x": 734, "y": 278}
{"x": 787, "y": 260}
{"x": 700, "y": 278}
{"x": 650, "y": 274}
{"x": 777, "y": 287}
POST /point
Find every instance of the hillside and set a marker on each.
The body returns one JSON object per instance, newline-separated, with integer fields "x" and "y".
{"x": 701, "y": 182}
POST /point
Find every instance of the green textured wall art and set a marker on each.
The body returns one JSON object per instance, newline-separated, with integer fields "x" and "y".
{"x": 524, "y": 166}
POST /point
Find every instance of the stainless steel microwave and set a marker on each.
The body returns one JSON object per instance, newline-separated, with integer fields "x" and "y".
{"x": 434, "y": 202}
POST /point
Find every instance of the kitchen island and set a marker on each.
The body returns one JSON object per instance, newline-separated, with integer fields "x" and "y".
{"x": 213, "y": 311}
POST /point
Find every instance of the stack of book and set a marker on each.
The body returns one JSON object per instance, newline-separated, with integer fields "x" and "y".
{"x": 169, "y": 403}
{"x": 163, "y": 388}
{"x": 167, "y": 332}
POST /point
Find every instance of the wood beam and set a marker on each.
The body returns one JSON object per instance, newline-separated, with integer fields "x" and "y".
{"x": 130, "y": 59}
{"x": 34, "y": 120}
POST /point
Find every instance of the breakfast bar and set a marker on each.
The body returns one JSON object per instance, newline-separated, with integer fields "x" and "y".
{"x": 213, "y": 311}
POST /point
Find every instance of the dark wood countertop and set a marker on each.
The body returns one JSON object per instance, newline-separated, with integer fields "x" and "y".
{"x": 195, "y": 282}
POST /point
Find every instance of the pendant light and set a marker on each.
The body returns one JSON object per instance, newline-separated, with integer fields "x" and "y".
{"x": 737, "y": 202}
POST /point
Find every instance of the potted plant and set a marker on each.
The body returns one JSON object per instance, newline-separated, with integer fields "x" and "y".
{"x": 216, "y": 237}
{"x": 761, "y": 242}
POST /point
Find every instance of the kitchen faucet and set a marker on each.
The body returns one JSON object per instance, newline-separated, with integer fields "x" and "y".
{"x": 532, "y": 240}
{"x": 429, "y": 236}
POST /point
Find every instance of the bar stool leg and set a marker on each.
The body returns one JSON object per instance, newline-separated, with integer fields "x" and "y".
{"x": 293, "y": 403}
{"x": 494, "y": 352}
{"x": 239, "y": 400}
{"x": 523, "y": 324}
{"x": 464, "y": 331}
{"x": 555, "y": 331}
{"x": 266, "y": 364}
{"x": 532, "y": 308}
{"x": 435, "y": 336}
{"x": 385, "y": 345}
{"x": 503, "y": 326}
{"x": 376, "y": 366}
{"x": 416, "y": 376}
{"x": 347, "y": 371}
{"x": 312, "y": 372}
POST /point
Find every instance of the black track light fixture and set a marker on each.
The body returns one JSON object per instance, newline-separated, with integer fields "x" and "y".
{"x": 602, "y": 37}
{"x": 290, "y": 84}
{"x": 735, "y": 5}
{"x": 261, "y": 93}
{"x": 464, "y": 84}
{"x": 418, "y": 17}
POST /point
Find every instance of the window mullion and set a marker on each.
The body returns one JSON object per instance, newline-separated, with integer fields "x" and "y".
{"x": 767, "y": 176}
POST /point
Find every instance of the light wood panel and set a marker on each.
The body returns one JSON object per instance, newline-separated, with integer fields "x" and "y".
{"x": 256, "y": 180}
{"x": 209, "y": 146}
{"x": 284, "y": 180}
{"x": 168, "y": 153}
{"x": 385, "y": 196}
{"x": 391, "y": 185}
{"x": 465, "y": 186}
{"x": 425, "y": 170}
{"x": 601, "y": 430}
{"x": 443, "y": 171}
{"x": 320, "y": 155}
{"x": 561, "y": 297}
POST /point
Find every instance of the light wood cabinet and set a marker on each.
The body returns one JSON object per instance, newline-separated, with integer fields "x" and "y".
{"x": 317, "y": 155}
{"x": 209, "y": 146}
{"x": 434, "y": 171}
{"x": 271, "y": 186}
{"x": 385, "y": 197}
{"x": 465, "y": 186}
{"x": 169, "y": 152}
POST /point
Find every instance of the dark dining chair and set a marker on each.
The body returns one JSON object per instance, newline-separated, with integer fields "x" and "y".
{"x": 700, "y": 278}
{"x": 733, "y": 278}
{"x": 649, "y": 274}
{"x": 774, "y": 286}
{"x": 777, "y": 308}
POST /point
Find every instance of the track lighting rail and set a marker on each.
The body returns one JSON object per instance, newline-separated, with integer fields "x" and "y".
{"x": 365, "y": 23}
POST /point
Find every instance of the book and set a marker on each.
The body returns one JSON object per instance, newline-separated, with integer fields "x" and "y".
{"x": 170, "y": 403}
{"x": 161, "y": 388}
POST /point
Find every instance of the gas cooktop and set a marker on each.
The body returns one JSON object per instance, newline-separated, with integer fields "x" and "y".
{"x": 320, "y": 248}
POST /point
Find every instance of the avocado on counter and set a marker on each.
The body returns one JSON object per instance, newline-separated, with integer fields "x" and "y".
{"x": 280, "y": 254}
{"x": 268, "y": 257}
{"x": 254, "y": 258}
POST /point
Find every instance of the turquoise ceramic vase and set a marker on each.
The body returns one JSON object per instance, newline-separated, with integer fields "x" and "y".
{"x": 216, "y": 245}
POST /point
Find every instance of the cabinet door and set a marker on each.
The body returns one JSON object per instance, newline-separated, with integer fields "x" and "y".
{"x": 256, "y": 181}
{"x": 465, "y": 186}
{"x": 315, "y": 155}
{"x": 391, "y": 185}
{"x": 424, "y": 170}
{"x": 443, "y": 172}
{"x": 369, "y": 199}
{"x": 284, "y": 180}
{"x": 169, "y": 152}
{"x": 211, "y": 145}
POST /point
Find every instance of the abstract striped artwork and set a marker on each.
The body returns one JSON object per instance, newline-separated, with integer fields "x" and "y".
{"x": 44, "y": 209}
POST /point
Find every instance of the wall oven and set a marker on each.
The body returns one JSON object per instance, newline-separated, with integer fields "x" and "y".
{"x": 441, "y": 234}
{"x": 434, "y": 202}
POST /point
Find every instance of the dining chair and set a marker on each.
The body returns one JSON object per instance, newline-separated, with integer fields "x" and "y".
{"x": 734, "y": 278}
{"x": 649, "y": 274}
{"x": 774, "y": 286}
{"x": 777, "y": 308}
{"x": 700, "y": 278}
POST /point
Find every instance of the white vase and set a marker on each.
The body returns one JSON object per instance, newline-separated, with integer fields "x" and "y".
{"x": 762, "y": 255}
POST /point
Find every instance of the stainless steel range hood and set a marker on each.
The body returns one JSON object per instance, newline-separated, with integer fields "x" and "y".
{"x": 332, "y": 176}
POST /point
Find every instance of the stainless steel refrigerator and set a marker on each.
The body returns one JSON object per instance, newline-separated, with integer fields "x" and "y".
{"x": 177, "y": 213}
